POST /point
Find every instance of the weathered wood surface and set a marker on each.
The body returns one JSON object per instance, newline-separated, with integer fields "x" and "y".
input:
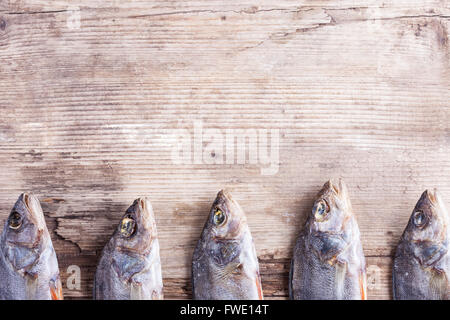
{"x": 357, "y": 89}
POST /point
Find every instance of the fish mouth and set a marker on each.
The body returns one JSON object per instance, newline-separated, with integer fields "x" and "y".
{"x": 432, "y": 208}
{"x": 431, "y": 195}
{"x": 34, "y": 209}
{"x": 225, "y": 195}
{"x": 142, "y": 211}
{"x": 434, "y": 199}
{"x": 143, "y": 202}
{"x": 335, "y": 191}
{"x": 335, "y": 186}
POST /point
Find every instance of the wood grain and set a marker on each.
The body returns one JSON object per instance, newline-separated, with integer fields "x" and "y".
{"x": 357, "y": 89}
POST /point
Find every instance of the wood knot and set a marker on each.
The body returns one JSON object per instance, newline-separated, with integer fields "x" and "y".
{"x": 2, "y": 24}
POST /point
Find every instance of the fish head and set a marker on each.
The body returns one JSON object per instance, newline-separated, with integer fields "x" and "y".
{"x": 137, "y": 228}
{"x": 25, "y": 232}
{"x": 428, "y": 221}
{"x": 332, "y": 208}
{"x": 226, "y": 218}
{"x": 224, "y": 229}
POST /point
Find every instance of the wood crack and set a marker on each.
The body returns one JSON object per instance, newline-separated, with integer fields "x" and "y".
{"x": 278, "y": 35}
{"x": 250, "y": 11}
{"x": 35, "y": 12}
{"x": 243, "y": 11}
{"x": 419, "y": 16}
{"x": 61, "y": 237}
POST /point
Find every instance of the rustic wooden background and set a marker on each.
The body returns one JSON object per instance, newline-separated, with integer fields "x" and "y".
{"x": 358, "y": 90}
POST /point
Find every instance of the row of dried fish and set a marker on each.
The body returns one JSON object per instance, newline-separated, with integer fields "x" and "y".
{"x": 328, "y": 260}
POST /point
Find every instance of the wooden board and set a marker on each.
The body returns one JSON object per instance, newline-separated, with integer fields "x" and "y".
{"x": 356, "y": 89}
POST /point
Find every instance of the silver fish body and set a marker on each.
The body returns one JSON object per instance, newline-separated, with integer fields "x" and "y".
{"x": 28, "y": 264}
{"x": 421, "y": 268}
{"x": 224, "y": 264}
{"x": 130, "y": 266}
{"x": 328, "y": 261}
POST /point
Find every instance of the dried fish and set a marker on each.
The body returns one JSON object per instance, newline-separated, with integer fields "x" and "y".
{"x": 130, "y": 266}
{"x": 224, "y": 264}
{"x": 328, "y": 261}
{"x": 422, "y": 262}
{"x": 28, "y": 264}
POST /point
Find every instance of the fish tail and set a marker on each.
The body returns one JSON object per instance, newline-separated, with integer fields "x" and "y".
{"x": 56, "y": 289}
{"x": 363, "y": 285}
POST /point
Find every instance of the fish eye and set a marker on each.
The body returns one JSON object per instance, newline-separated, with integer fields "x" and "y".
{"x": 320, "y": 210}
{"x": 127, "y": 227}
{"x": 419, "y": 218}
{"x": 15, "y": 220}
{"x": 219, "y": 217}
